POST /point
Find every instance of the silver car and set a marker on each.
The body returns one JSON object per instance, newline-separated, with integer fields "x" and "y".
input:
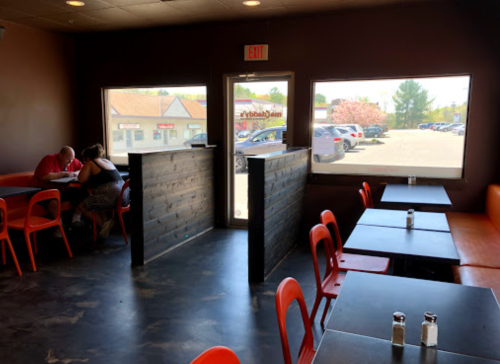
{"x": 459, "y": 130}
{"x": 351, "y": 138}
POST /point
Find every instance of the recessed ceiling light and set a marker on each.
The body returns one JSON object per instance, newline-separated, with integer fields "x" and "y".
{"x": 251, "y": 3}
{"x": 75, "y": 3}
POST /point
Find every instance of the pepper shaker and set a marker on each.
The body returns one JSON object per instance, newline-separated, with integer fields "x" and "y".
{"x": 398, "y": 329}
{"x": 410, "y": 218}
{"x": 430, "y": 329}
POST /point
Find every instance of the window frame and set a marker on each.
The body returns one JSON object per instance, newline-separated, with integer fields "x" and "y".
{"x": 350, "y": 179}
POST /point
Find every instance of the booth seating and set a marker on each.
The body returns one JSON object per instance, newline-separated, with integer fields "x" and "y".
{"x": 477, "y": 238}
{"x": 17, "y": 205}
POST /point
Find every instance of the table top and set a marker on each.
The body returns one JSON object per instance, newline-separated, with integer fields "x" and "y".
{"x": 431, "y": 246}
{"x": 344, "y": 348}
{"x": 468, "y": 318}
{"x": 431, "y": 221}
{"x": 416, "y": 195}
{"x": 8, "y": 191}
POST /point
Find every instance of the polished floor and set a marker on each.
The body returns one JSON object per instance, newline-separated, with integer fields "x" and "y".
{"x": 96, "y": 308}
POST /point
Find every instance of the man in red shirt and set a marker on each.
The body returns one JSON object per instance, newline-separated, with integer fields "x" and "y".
{"x": 60, "y": 165}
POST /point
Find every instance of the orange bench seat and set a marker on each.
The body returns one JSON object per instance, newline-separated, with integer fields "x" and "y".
{"x": 478, "y": 277}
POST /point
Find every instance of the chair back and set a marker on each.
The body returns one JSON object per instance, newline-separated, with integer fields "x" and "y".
{"x": 120, "y": 200}
{"x": 217, "y": 355}
{"x": 318, "y": 234}
{"x": 368, "y": 193}
{"x": 288, "y": 291}
{"x": 44, "y": 196}
{"x": 364, "y": 200}
{"x": 3, "y": 219}
{"x": 326, "y": 218}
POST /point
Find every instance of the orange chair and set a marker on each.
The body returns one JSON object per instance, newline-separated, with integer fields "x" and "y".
{"x": 288, "y": 291}
{"x": 330, "y": 286}
{"x": 369, "y": 196}
{"x": 32, "y": 224}
{"x": 217, "y": 355}
{"x": 4, "y": 236}
{"x": 364, "y": 199}
{"x": 354, "y": 262}
{"x": 119, "y": 211}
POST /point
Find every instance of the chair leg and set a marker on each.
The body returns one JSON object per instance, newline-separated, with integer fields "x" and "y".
{"x": 65, "y": 241}
{"x": 315, "y": 307}
{"x": 34, "y": 242}
{"x": 124, "y": 232}
{"x": 3, "y": 253}
{"x": 30, "y": 251}
{"x": 327, "y": 305}
{"x": 14, "y": 258}
{"x": 94, "y": 226}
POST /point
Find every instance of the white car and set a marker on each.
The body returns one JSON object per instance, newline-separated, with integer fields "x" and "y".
{"x": 459, "y": 130}
{"x": 358, "y": 129}
{"x": 449, "y": 127}
{"x": 351, "y": 138}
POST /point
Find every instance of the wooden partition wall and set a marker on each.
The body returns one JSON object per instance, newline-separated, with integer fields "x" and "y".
{"x": 172, "y": 199}
{"x": 276, "y": 188}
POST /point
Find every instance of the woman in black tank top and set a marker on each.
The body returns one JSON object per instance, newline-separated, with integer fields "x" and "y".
{"x": 106, "y": 185}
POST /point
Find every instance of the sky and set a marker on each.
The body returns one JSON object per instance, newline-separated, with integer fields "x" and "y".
{"x": 444, "y": 90}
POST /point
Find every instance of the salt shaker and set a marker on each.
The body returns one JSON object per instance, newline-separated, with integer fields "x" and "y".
{"x": 398, "y": 329}
{"x": 410, "y": 179}
{"x": 410, "y": 218}
{"x": 430, "y": 329}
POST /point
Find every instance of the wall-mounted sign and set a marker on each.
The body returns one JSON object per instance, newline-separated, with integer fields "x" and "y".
{"x": 260, "y": 115}
{"x": 129, "y": 126}
{"x": 194, "y": 126}
{"x": 256, "y": 52}
{"x": 166, "y": 126}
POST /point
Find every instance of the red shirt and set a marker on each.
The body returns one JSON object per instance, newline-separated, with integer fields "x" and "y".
{"x": 50, "y": 164}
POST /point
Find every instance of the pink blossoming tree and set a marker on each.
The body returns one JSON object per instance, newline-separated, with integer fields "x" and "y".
{"x": 358, "y": 111}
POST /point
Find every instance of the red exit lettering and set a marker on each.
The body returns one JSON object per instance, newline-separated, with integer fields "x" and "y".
{"x": 256, "y": 52}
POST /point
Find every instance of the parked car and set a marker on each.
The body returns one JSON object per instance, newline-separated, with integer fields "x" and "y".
{"x": 358, "y": 129}
{"x": 382, "y": 126}
{"x": 198, "y": 139}
{"x": 373, "y": 132}
{"x": 351, "y": 139}
{"x": 449, "y": 127}
{"x": 270, "y": 140}
{"x": 425, "y": 126}
{"x": 244, "y": 134}
{"x": 436, "y": 126}
{"x": 459, "y": 130}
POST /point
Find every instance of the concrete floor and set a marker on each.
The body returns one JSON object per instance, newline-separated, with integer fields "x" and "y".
{"x": 95, "y": 308}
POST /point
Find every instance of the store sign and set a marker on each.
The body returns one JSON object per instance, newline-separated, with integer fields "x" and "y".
{"x": 129, "y": 126}
{"x": 457, "y": 118}
{"x": 194, "y": 126}
{"x": 256, "y": 52}
{"x": 166, "y": 126}
{"x": 260, "y": 115}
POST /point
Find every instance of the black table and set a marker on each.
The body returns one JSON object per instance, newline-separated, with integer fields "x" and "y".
{"x": 344, "y": 348}
{"x": 430, "y": 246}
{"x": 431, "y": 221}
{"x": 416, "y": 195}
{"x": 468, "y": 317}
{"x": 8, "y": 191}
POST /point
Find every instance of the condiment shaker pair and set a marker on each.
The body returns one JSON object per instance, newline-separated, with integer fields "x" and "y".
{"x": 412, "y": 180}
{"x": 429, "y": 329}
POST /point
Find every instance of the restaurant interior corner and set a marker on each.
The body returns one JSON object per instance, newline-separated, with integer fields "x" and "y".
{"x": 374, "y": 241}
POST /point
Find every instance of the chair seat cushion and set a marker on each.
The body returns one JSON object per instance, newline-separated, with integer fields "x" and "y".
{"x": 362, "y": 263}
{"x": 18, "y": 224}
{"x": 478, "y": 277}
{"x": 476, "y": 239}
{"x": 332, "y": 284}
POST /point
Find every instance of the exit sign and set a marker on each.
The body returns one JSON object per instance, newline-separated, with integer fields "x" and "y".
{"x": 256, "y": 52}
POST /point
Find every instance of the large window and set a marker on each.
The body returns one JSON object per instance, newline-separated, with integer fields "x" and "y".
{"x": 143, "y": 119}
{"x": 394, "y": 127}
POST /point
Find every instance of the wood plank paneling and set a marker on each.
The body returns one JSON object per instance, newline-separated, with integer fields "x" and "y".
{"x": 172, "y": 199}
{"x": 276, "y": 188}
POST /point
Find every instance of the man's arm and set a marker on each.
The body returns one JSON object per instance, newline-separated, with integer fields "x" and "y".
{"x": 56, "y": 175}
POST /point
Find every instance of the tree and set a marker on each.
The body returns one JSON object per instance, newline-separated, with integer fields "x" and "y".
{"x": 411, "y": 102}
{"x": 276, "y": 96}
{"x": 241, "y": 92}
{"x": 320, "y": 100}
{"x": 357, "y": 111}
{"x": 163, "y": 92}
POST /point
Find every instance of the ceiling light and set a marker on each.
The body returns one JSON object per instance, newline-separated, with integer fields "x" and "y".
{"x": 251, "y": 3}
{"x": 75, "y": 3}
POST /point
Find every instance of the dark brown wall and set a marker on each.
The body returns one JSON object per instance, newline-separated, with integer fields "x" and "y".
{"x": 37, "y": 96}
{"x": 412, "y": 40}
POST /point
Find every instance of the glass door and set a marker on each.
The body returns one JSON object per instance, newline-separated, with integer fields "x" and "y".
{"x": 258, "y": 118}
